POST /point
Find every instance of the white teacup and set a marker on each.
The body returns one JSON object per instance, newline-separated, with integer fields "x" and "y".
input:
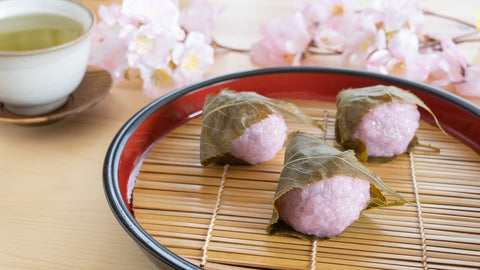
{"x": 38, "y": 81}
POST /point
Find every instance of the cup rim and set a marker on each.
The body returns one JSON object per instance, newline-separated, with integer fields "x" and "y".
{"x": 83, "y": 36}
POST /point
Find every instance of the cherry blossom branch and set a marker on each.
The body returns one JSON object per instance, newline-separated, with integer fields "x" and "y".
{"x": 172, "y": 47}
{"x": 386, "y": 37}
{"x": 469, "y": 40}
{"x": 435, "y": 43}
{"x": 316, "y": 51}
{"x": 457, "y": 39}
{"x": 431, "y": 13}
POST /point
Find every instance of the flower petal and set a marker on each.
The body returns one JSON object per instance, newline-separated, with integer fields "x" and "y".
{"x": 471, "y": 86}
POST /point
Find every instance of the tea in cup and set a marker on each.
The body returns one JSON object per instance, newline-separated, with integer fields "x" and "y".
{"x": 44, "y": 50}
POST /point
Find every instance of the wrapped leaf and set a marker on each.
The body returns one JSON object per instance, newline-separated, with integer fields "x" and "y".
{"x": 309, "y": 160}
{"x": 227, "y": 115}
{"x": 354, "y": 103}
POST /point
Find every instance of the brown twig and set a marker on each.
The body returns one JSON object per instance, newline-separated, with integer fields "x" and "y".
{"x": 467, "y": 40}
{"x": 458, "y": 39}
{"x": 431, "y": 13}
{"x": 314, "y": 49}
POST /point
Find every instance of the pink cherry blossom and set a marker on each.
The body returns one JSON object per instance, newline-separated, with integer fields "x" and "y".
{"x": 404, "y": 47}
{"x": 286, "y": 38}
{"x": 340, "y": 11}
{"x": 157, "y": 81}
{"x": 148, "y": 35}
{"x": 400, "y": 57}
{"x": 323, "y": 10}
{"x": 417, "y": 68}
{"x": 449, "y": 65}
{"x": 314, "y": 13}
{"x": 110, "y": 54}
{"x": 403, "y": 44}
{"x": 199, "y": 17}
{"x": 163, "y": 13}
{"x": 159, "y": 13}
{"x": 397, "y": 14}
{"x": 471, "y": 86}
{"x": 362, "y": 43}
{"x": 329, "y": 22}
{"x": 112, "y": 15}
{"x": 192, "y": 58}
{"x": 380, "y": 61}
{"x": 383, "y": 39}
{"x": 109, "y": 41}
{"x": 264, "y": 54}
{"x": 150, "y": 46}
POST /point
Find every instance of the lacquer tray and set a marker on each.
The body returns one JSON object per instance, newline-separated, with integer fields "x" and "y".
{"x": 188, "y": 217}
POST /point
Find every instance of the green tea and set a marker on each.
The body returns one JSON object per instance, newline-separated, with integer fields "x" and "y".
{"x": 37, "y": 31}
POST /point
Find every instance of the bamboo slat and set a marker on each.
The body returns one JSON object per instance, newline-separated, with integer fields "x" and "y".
{"x": 175, "y": 198}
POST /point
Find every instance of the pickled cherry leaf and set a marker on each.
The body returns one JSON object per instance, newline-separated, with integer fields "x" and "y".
{"x": 354, "y": 103}
{"x": 309, "y": 160}
{"x": 227, "y": 115}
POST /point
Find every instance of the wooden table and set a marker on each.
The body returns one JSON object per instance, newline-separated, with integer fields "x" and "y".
{"x": 54, "y": 214}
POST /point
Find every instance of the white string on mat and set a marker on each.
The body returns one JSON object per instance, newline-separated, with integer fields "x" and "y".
{"x": 419, "y": 212}
{"x": 313, "y": 261}
{"x": 313, "y": 257}
{"x": 214, "y": 217}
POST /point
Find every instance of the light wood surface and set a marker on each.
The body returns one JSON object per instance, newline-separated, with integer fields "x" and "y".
{"x": 54, "y": 214}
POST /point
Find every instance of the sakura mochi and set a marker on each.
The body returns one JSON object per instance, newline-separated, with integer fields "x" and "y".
{"x": 322, "y": 191}
{"x": 261, "y": 141}
{"x": 245, "y": 127}
{"x": 378, "y": 122}
{"x": 325, "y": 208}
{"x": 388, "y": 129}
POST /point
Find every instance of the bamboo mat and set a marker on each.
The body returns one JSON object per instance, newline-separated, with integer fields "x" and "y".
{"x": 216, "y": 216}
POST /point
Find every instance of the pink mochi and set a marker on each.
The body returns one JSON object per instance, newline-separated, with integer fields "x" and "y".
{"x": 325, "y": 208}
{"x": 388, "y": 129}
{"x": 261, "y": 141}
